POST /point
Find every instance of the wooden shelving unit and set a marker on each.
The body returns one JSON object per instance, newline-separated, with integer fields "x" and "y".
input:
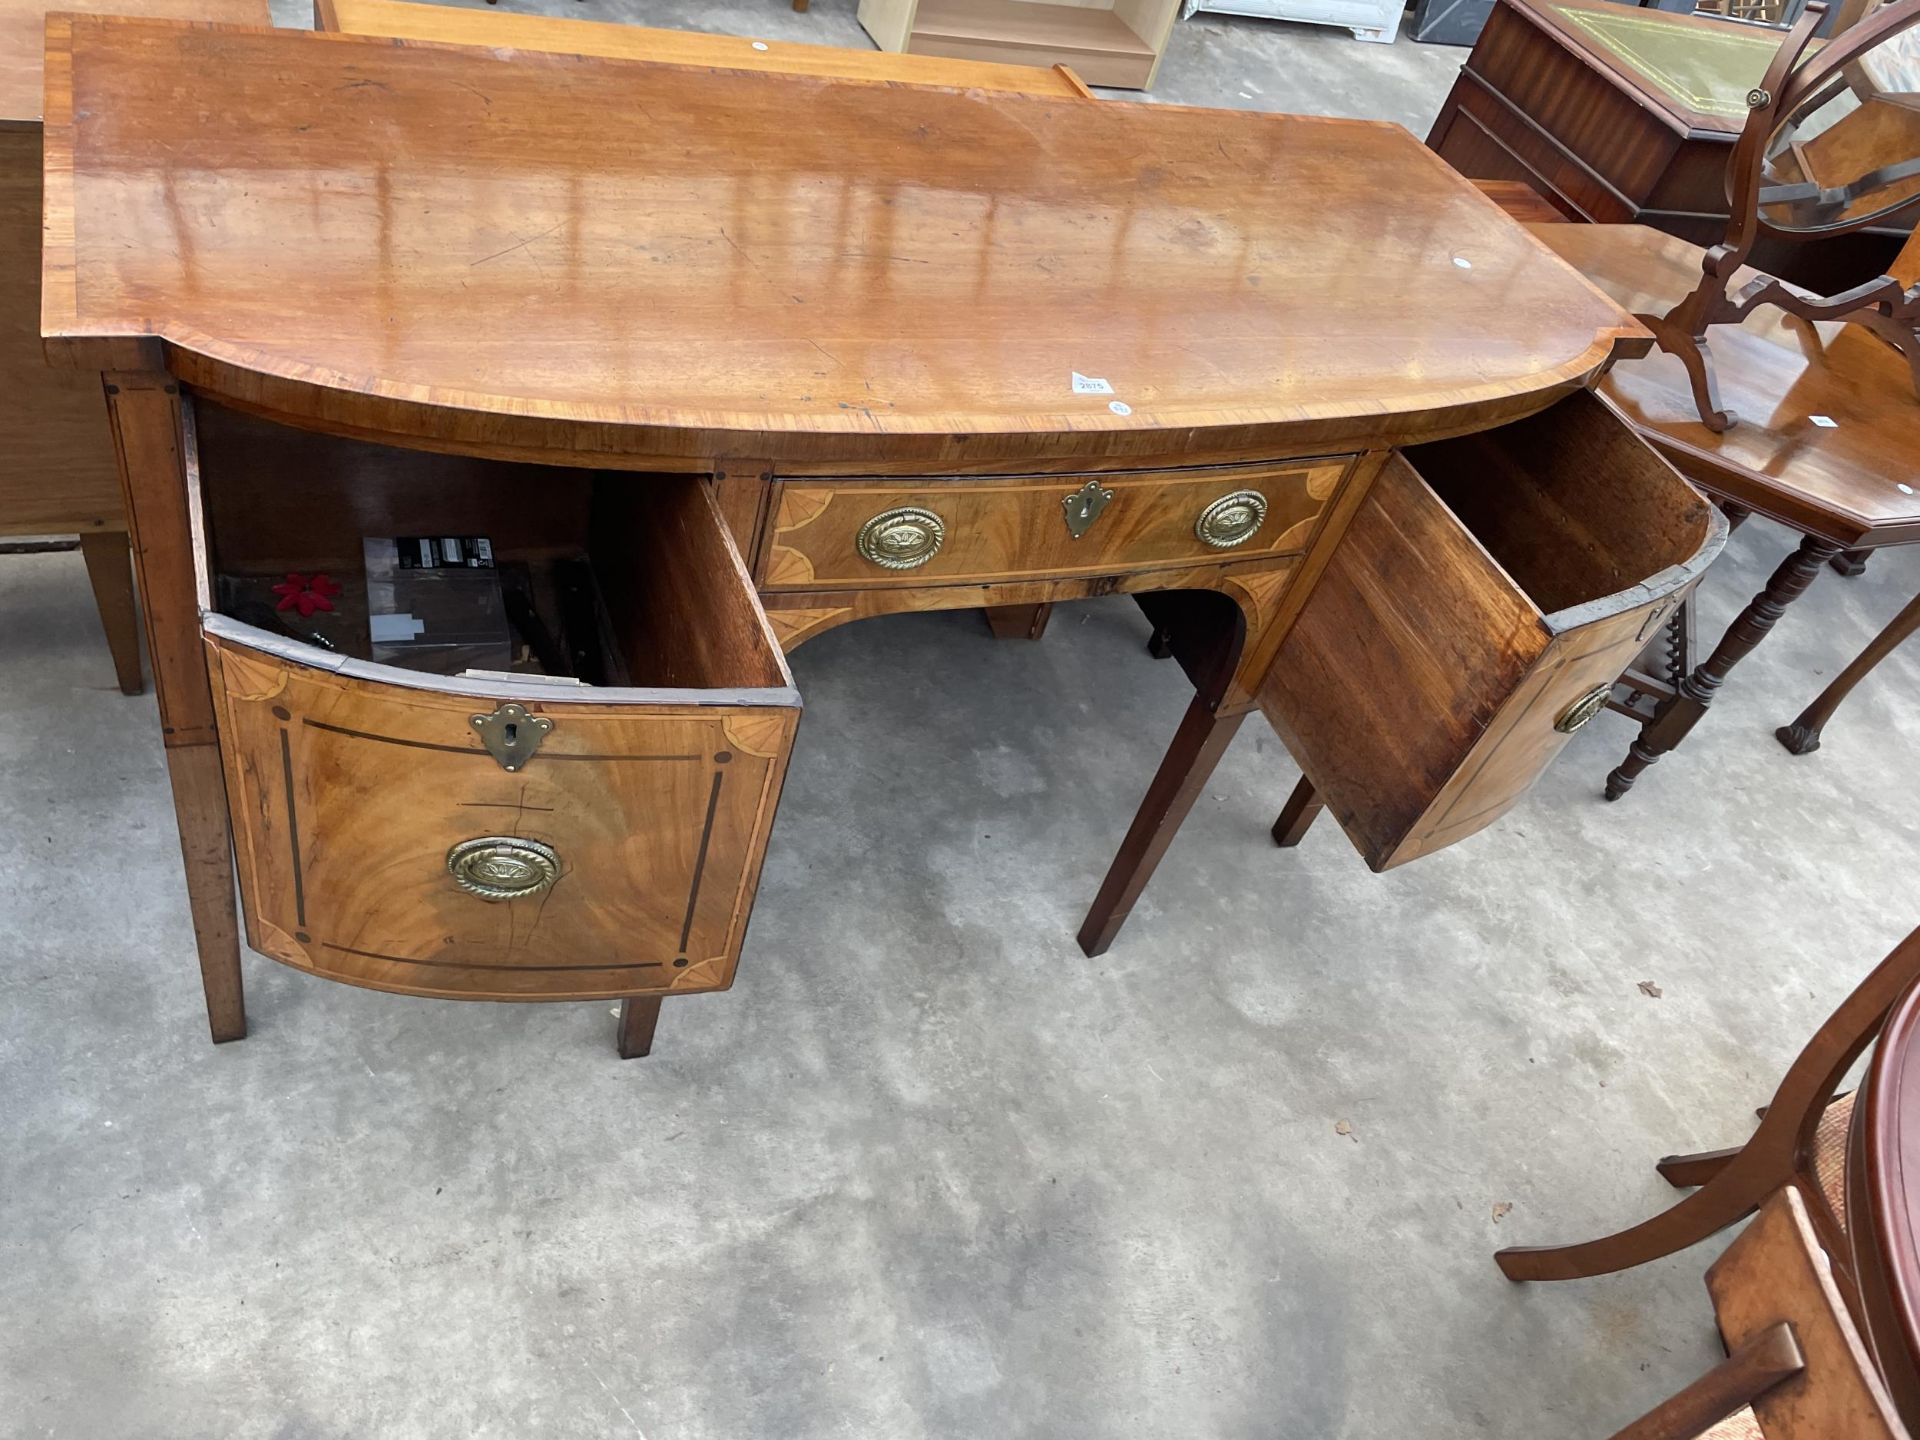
{"x": 1105, "y": 42}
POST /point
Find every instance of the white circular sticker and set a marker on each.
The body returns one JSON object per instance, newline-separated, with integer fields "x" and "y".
{"x": 759, "y": 44}
{"x": 1121, "y": 407}
{"x": 1461, "y": 262}
{"x": 1906, "y": 489}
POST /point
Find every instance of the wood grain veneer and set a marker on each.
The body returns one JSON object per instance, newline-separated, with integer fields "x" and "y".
{"x": 491, "y": 267}
{"x": 1013, "y": 529}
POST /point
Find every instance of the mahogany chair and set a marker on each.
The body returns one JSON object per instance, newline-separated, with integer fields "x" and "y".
{"x": 1797, "y": 1367}
{"x": 1801, "y": 1141}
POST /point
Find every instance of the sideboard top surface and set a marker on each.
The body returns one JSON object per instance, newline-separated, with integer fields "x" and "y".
{"x": 23, "y": 25}
{"x": 591, "y": 241}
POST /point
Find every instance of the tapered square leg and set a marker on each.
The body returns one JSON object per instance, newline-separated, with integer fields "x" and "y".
{"x": 638, "y": 1015}
{"x": 1197, "y": 746}
{"x": 206, "y": 847}
{"x": 110, "y": 572}
{"x": 1018, "y": 622}
{"x": 1297, "y": 817}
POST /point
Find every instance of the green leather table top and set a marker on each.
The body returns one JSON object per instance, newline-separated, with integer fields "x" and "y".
{"x": 1699, "y": 65}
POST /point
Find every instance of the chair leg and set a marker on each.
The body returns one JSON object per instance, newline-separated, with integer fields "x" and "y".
{"x": 110, "y": 572}
{"x": 1197, "y": 746}
{"x": 1732, "y": 1194}
{"x": 1679, "y": 713}
{"x": 1298, "y": 815}
{"x": 1756, "y": 1367}
{"x": 1684, "y": 1172}
{"x": 638, "y": 1015}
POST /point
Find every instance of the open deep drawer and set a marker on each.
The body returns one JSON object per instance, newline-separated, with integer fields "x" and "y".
{"x": 1483, "y": 600}
{"x": 587, "y": 820}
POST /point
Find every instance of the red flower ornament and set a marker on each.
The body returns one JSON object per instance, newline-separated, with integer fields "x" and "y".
{"x": 306, "y": 593}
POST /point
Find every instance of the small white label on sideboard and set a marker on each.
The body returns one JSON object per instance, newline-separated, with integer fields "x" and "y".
{"x": 1825, "y": 422}
{"x": 1090, "y": 385}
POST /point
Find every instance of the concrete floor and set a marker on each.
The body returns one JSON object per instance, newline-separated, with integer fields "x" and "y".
{"x": 926, "y": 1171}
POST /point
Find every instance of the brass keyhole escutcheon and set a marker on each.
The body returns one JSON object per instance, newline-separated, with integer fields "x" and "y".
{"x": 503, "y": 867}
{"x": 1582, "y": 710}
{"x": 1232, "y": 519}
{"x": 903, "y": 538}
{"x": 1083, "y": 507}
{"x": 511, "y": 734}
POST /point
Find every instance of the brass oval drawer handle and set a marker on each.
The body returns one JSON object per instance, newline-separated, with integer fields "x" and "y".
{"x": 1584, "y": 709}
{"x": 902, "y": 538}
{"x": 503, "y": 867}
{"x": 1232, "y": 519}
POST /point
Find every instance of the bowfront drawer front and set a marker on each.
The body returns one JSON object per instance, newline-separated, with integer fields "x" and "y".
{"x": 850, "y": 533}
{"x": 1483, "y": 599}
{"x": 590, "y": 823}
{"x": 382, "y": 842}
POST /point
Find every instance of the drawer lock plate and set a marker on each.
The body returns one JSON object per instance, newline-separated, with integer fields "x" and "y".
{"x": 503, "y": 867}
{"x": 1083, "y": 507}
{"x": 510, "y": 734}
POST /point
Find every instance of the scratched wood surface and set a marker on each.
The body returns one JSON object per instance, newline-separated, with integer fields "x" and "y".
{"x": 372, "y": 230}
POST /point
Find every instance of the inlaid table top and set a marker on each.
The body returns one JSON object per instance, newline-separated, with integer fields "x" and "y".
{"x": 1828, "y": 432}
{"x": 535, "y": 235}
{"x": 22, "y": 39}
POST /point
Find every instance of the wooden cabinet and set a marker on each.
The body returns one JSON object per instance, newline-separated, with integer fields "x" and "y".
{"x": 610, "y": 850}
{"x": 1484, "y": 598}
{"x": 834, "y": 533}
{"x": 1105, "y": 42}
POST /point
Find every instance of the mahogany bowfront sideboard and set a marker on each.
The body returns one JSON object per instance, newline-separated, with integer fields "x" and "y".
{"x": 712, "y": 383}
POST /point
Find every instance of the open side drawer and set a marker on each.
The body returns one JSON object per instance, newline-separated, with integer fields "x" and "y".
{"x": 1480, "y": 605}
{"x": 612, "y": 845}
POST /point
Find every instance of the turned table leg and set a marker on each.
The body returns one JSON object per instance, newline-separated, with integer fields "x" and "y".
{"x": 1298, "y": 815}
{"x": 1197, "y": 746}
{"x": 110, "y": 572}
{"x": 1682, "y": 711}
{"x": 638, "y": 1015}
{"x": 1802, "y": 737}
{"x": 1850, "y": 563}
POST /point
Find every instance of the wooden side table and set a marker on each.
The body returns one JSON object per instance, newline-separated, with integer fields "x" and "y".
{"x": 1828, "y": 430}
{"x": 57, "y": 472}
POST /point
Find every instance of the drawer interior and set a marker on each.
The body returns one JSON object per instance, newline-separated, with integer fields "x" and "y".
{"x": 598, "y": 578}
{"x": 1499, "y": 578}
{"x": 1569, "y": 503}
